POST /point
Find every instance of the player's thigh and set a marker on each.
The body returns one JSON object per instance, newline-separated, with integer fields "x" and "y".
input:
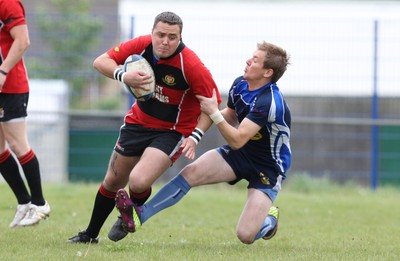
{"x": 119, "y": 168}
{"x": 152, "y": 164}
{"x": 209, "y": 168}
{"x": 2, "y": 139}
{"x": 254, "y": 213}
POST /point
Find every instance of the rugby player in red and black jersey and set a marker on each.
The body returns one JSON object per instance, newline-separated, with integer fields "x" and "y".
{"x": 14, "y": 95}
{"x": 155, "y": 132}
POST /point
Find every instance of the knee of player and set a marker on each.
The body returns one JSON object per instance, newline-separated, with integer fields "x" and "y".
{"x": 245, "y": 237}
{"x": 113, "y": 184}
{"x": 15, "y": 148}
{"x": 192, "y": 173}
{"x": 191, "y": 168}
{"x": 140, "y": 183}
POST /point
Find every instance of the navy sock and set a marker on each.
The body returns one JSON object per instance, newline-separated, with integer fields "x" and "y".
{"x": 169, "y": 195}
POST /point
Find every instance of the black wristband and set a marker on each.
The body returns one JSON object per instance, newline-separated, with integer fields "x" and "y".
{"x": 196, "y": 135}
{"x": 3, "y": 72}
{"x": 119, "y": 75}
{"x": 198, "y": 132}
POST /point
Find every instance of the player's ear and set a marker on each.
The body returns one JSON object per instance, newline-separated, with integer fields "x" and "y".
{"x": 268, "y": 73}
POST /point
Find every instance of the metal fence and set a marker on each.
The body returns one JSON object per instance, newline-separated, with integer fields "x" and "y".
{"x": 77, "y": 147}
{"x": 342, "y": 85}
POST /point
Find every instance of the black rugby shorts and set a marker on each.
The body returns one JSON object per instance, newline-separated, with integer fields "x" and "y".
{"x": 13, "y": 106}
{"x": 134, "y": 139}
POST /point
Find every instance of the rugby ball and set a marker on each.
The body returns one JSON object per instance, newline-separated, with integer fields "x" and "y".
{"x": 137, "y": 62}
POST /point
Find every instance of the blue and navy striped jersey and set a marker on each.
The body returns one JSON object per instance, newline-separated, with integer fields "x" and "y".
{"x": 266, "y": 107}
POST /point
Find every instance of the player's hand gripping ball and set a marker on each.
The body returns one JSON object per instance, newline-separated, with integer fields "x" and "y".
{"x": 137, "y": 62}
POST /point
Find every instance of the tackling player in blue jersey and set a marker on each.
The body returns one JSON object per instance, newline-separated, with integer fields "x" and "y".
{"x": 256, "y": 126}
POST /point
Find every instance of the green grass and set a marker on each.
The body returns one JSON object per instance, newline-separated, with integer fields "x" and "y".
{"x": 319, "y": 221}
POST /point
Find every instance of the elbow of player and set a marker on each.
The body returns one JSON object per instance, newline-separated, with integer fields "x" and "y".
{"x": 235, "y": 145}
{"x": 96, "y": 64}
{"x": 27, "y": 43}
{"x": 23, "y": 45}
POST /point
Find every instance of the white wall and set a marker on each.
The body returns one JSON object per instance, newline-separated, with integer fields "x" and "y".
{"x": 331, "y": 44}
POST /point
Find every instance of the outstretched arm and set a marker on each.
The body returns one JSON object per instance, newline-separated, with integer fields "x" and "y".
{"x": 236, "y": 137}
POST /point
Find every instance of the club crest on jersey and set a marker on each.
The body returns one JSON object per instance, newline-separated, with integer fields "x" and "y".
{"x": 264, "y": 179}
{"x": 116, "y": 49}
{"x": 258, "y": 136}
{"x": 169, "y": 79}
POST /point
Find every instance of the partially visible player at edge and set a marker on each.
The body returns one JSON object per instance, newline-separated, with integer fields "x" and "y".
{"x": 256, "y": 125}
{"x": 157, "y": 131}
{"x": 14, "y": 96}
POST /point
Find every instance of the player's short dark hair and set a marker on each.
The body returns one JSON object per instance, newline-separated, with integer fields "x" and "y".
{"x": 276, "y": 59}
{"x": 169, "y": 18}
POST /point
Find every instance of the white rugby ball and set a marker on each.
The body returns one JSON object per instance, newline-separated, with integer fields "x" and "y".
{"x": 137, "y": 62}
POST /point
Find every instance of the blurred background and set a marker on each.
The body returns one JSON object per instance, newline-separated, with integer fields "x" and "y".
{"x": 342, "y": 84}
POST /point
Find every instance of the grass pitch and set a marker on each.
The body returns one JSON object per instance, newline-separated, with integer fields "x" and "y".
{"x": 318, "y": 221}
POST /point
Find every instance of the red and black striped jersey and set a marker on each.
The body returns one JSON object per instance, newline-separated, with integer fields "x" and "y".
{"x": 179, "y": 78}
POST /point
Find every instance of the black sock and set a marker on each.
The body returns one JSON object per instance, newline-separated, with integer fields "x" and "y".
{"x": 10, "y": 172}
{"x": 30, "y": 165}
{"x": 140, "y": 198}
{"x": 103, "y": 206}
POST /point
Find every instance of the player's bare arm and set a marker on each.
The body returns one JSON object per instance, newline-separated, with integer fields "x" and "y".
{"x": 105, "y": 65}
{"x": 21, "y": 42}
{"x": 189, "y": 143}
{"x": 230, "y": 116}
{"x": 235, "y": 137}
{"x": 238, "y": 137}
{"x": 18, "y": 48}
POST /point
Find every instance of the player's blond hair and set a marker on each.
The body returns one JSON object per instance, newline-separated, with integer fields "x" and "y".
{"x": 276, "y": 59}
